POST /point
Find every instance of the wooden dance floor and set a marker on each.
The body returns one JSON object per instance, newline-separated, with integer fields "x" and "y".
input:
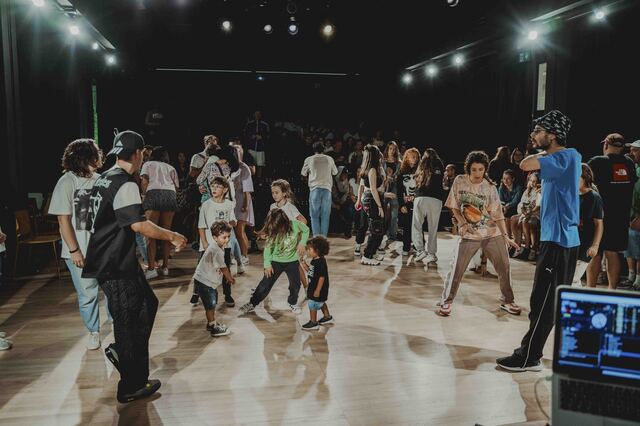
{"x": 388, "y": 359}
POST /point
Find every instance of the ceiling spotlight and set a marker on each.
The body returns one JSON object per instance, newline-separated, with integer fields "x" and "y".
{"x": 74, "y": 30}
{"x": 110, "y": 59}
{"x": 293, "y": 28}
{"x": 600, "y": 14}
{"x": 226, "y": 26}
{"x": 453, "y": 3}
{"x": 38, "y": 3}
{"x": 260, "y": 78}
{"x": 533, "y": 35}
{"x": 407, "y": 78}
{"x": 327, "y": 30}
{"x": 95, "y": 45}
{"x": 458, "y": 60}
{"x": 432, "y": 70}
{"x": 268, "y": 29}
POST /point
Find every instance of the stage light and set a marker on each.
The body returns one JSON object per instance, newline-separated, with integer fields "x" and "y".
{"x": 600, "y": 14}
{"x": 458, "y": 60}
{"x": 407, "y": 78}
{"x": 327, "y": 30}
{"x": 533, "y": 35}
{"x": 453, "y": 3}
{"x": 38, "y": 3}
{"x": 293, "y": 28}
{"x": 226, "y": 26}
{"x": 74, "y": 30}
{"x": 432, "y": 70}
{"x": 268, "y": 29}
{"x": 260, "y": 78}
{"x": 95, "y": 45}
{"x": 110, "y": 59}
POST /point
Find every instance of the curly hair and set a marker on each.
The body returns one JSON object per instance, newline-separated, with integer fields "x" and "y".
{"x": 320, "y": 244}
{"x": 80, "y": 156}
{"x": 220, "y": 227}
{"x": 479, "y": 157}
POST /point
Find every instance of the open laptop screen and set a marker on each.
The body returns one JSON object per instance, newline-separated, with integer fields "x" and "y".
{"x": 598, "y": 335}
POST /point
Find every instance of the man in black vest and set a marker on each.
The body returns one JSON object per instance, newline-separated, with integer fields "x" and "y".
{"x": 116, "y": 216}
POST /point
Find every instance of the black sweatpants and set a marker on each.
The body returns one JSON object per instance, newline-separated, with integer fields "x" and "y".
{"x": 264, "y": 287}
{"x": 226, "y": 287}
{"x": 406, "y": 221}
{"x": 133, "y": 307}
{"x": 362, "y": 226}
{"x": 555, "y": 266}
{"x": 376, "y": 224}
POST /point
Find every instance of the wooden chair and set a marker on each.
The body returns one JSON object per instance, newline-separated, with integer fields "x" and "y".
{"x": 26, "y": 237}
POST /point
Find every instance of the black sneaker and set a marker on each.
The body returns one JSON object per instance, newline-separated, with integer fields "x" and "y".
{"x": 229, "y": 302}
{"x": 194, "y": 299}
{"x": 112, "y": 355}
{"x": 326, "y": 320}
{"x": 311, "y": 326}
{"x": 218, "y": 330}
{"x": 516, "y": 364}
{"x": 149, "y": 389}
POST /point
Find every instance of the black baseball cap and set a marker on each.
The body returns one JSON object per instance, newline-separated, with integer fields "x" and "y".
{"x": 126, "y": 143}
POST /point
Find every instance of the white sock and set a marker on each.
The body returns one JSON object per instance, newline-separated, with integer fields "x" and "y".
{"x": 632, "y": 276}
{"x": 636, "y": 283}
{"x": 212, "y": 323}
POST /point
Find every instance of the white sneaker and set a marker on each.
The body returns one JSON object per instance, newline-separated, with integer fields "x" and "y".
{"x": 244, "y": 260}
{"x": 5, "y": 344}
{"x": 517, "y": 252}
{"x": 3, "y": 334}
{"x": 405, "y": 253}
{"x": 383, "y": 243}
{"x": 94, "y": 341}
{"x": 430, "y": 258}
{"x": 151, "y": 274}
{"x": 240, "y": 269}
{"x": 163, "y": 271}
{"x": 356, "y": 250}
{"x": 371, "y": 262}
{"x": 379, "y": 257}
{"x": 420, "y": 255}
{"x": 295, "y": 309}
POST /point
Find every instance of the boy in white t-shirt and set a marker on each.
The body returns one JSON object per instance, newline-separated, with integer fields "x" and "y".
{"x": 71, "y": 203}
{"x": 217, "y": 208}
{"x": 212, "y": 270}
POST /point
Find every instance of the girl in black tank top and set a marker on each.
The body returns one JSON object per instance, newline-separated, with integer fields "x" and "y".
{"x": 371, "y": 201}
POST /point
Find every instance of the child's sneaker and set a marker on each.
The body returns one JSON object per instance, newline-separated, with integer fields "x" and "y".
{"x": 356, "y": 250}
{"x": 229, "y": 302}
{"x": 246, "y": 308}
{"x": 244, "y": 260}
{"x": 194, "y": 299}
{"x": 371, "y": 262}
{"x": 512, "y": 308}
{"x": 151, "y": 274}
{"x": 295, "y": 309}
{"x": 218, "y": 330}
{"x": 445, "y": 309}
{"x": 311, "y": 326}
{"x": 241, "y": 269}
{"x": 326, "y": 320}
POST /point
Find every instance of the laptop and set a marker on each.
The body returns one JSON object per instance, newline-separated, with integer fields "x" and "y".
{"x": 596, "y": 358}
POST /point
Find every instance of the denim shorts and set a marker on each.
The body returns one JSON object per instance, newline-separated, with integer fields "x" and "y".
{"x": 633, "y": 245}
{"x": 208, "y": 295}
{"x": 315, "y": 306}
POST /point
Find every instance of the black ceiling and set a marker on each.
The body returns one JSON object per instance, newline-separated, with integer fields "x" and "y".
{"x": 371, "y": 35}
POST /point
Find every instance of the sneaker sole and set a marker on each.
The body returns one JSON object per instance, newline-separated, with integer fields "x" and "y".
{"x": 316, "y": 328}
{"x": 327, "y": 322}
{"x": 444, "y": 314}
{"x": 510, "y": 311}
{"x": 229, "y": 305}
{"x": 226, "y": 333}
{"x": 536, "y": 368}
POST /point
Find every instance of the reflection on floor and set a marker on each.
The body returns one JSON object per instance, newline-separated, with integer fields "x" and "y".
{"x": 388, "y": 358}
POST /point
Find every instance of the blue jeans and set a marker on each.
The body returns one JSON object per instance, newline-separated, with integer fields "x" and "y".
{"x": 315, "y": 306}
{"x": 320, "y": 210}
{"x": 235, "y": 247}
{"x": 88, "y": 298}
{"x": 209, "y": 295}
{"x": 142, "y": 247}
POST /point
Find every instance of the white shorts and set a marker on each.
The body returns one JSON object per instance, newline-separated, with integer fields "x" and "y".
{"x": 258, "y": 156}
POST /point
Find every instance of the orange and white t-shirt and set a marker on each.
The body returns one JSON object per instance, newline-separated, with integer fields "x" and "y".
{"x": 479, "y": 204}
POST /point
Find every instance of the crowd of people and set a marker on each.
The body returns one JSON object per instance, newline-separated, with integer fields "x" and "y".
{"x": 120, "y": 228}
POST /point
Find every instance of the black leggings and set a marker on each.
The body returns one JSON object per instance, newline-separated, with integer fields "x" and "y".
{"x": 376, "y": 225}
{"x": 406, "y": 220}
{"x": 265, "y": 285}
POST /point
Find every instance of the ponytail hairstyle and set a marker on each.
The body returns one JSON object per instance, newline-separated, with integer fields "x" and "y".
{"x": 285, "y": 187}
{"x": 405, "y": 167}
{"x": 479, "y": 157}
{"x": 276, "y": 226}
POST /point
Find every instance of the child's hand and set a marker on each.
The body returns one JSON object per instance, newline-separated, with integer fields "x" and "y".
{"x": 304, "y": 265}
{"x": 316, "y": 294}
{"x": 268, "y": 272}
{"x": 232, "y": 280}
{"x": 592, "y": 251}
{"x": 301, "y": 251}
{"x": 202, "y": 189}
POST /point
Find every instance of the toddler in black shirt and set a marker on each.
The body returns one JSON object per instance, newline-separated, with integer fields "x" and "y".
{"x": 317, "y": 277}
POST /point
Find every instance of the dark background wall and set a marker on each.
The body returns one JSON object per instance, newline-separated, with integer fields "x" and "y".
{"x": 592, "y": 77}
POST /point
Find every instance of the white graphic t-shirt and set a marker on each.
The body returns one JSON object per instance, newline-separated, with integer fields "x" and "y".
{"x": 289, "y": 209}
{"x": 479, "y": 204}
{"x": 211, "y": 212}
{"x": 72, "y": 196}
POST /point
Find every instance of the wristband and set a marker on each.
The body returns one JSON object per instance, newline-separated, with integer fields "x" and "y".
{"x": 73, "y": 251}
